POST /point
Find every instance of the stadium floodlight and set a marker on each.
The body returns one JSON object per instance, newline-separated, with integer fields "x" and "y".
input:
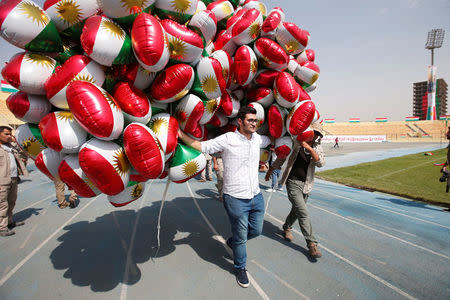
{"x": 434, "y": 40}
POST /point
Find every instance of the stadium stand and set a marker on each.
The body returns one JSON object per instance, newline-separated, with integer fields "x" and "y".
{"x": 419, "y": 131}
{"x": 6, "y": 117}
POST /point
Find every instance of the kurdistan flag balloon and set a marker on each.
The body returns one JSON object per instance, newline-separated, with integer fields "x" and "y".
{"x": 28, "y": 72}
{"x": 106, "y": 42}
{"x": 132, "y": 192}
{"x": 30, "y": 139}
{"x": 26, "y": 25}
{"x": 69, "y": 15}
{"x": 186, "y": 163}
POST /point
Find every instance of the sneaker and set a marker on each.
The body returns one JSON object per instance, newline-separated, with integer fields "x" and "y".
{"x": 210, "y": 179}
{"x": 6, "y": 232}
{"x": 14, "y": 224}
{"x": 279, "y": 188}
{"x": 314, "y": 250}
{"x": 287, "y": 234}
{"x": 202, "y": 180}
{"x": 270, "y": 190}
{"x": 241, "y": 277}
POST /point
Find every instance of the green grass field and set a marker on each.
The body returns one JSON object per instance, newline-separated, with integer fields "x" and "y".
{"x": 412, "y": 176}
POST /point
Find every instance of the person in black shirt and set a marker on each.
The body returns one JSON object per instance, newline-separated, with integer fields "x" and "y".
{"x": 299, "y": 177}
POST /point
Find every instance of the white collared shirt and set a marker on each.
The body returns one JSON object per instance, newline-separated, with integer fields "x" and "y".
{"x": 12, "y": 159}
{"x": 240, "y": 158}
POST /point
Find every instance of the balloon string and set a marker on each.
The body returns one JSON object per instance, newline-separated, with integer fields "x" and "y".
{"x": 159, "y": 216}
{"x": 268, "y": 201}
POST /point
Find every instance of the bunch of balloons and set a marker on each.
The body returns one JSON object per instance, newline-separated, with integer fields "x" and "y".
{"x": 105, "y": 85}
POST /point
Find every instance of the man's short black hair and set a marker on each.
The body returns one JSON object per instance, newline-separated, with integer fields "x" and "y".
{"x": 5, "y": 127}
{"x": 244, "y": 110}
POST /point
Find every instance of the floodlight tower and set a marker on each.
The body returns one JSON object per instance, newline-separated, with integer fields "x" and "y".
{"x": 434, "y": 40}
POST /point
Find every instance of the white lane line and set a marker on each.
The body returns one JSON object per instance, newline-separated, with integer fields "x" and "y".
{"x": 258, "y": 289}
{"x": 6, "y": 270}
{"x": 280, "y": 280}
{"x": 349, "y": 249}
{"x": 385, "y": 209}
{"x": 35, "y": 203}
{"x": 34, "y": 227}
{"x": 33, "y": 186}
{"x": 390, "y": 209}
{"x": 382, "y": 232}
{"x": 381, "y": 226}
{"x": 123, "y": 293}
{"x": 359, "y": 268}
{"x": 412, "y": 167}
{"x": 35, "y": 250}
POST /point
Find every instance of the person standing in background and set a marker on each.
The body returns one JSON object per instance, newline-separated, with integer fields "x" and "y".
{"x": 11, "y": 166}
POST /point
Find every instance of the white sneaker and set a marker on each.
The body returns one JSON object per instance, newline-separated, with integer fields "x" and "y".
{"x": 271, "y": 190}
{"x": 280, "y": 189}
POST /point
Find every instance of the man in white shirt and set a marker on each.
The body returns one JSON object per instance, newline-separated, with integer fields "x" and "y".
{"x": 11, "y": 166}
{"x": 243, "y": 200}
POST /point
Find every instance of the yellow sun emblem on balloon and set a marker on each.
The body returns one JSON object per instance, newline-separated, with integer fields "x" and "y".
{"x": 275, "y": 93}
{"x": 131, "y": 5}
{"x": 120, "y": 162}
{"x": 84, "y": 77}
{"x": 211, "y": 106}
{"x": 113, "y": 29}
{"x": 266, "y": 61}
{"x": 40, "y": 59}
{"x": 291, "y": 113}
{"x": 64, "y": 115}
{"x": 209, "y": 84}
{"x": 292, "y": 46}
{"x": 32, "y": 146}
{"x": 262, "y": 9}
{"x": 264, "y": 155}
{"x": 88, "y": 182}
{"x": 254, "y": 66}
{"x": 181, "y": 6}
{"x": 254, "y": 30}
{"x": 137, "y": 191}
{"x": 109, "y": 98}
{"x": 225, "y": 72}
{"x": 181, "y": 94}
{"x": 177, "y": 48}
{"x": 34, "y": 12}
{"x": 69, "y": 11}
{"x": 158, "y": 125}
{"x": 190, "y": 168}
{"x": 314, "y": 78}
{"x": 226, "y": 9}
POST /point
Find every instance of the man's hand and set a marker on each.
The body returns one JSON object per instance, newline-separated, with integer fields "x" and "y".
{"x": 268, "y": 174}
{"x": 305, "y": 145}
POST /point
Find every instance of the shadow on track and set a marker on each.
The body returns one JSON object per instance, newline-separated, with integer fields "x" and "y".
{"x": 95, "y": 253}
{"x": 26, "y": 213}
{"x": 275, "y": 233}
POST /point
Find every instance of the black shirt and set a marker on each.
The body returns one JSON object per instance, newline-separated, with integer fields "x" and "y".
{"x": 300, "y": 167}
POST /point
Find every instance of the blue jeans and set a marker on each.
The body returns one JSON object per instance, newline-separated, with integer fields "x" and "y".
{"x": 275, "y": 175}
{"x": 246, "y": 218}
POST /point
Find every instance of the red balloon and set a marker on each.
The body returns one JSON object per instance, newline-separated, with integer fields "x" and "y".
{"x": 143, "y": 150}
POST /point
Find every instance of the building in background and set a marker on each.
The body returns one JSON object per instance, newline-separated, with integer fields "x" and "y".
{"x": 420, "y": 98}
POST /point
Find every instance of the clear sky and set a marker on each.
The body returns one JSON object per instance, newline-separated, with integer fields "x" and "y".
{"x": 369, "y": 52}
